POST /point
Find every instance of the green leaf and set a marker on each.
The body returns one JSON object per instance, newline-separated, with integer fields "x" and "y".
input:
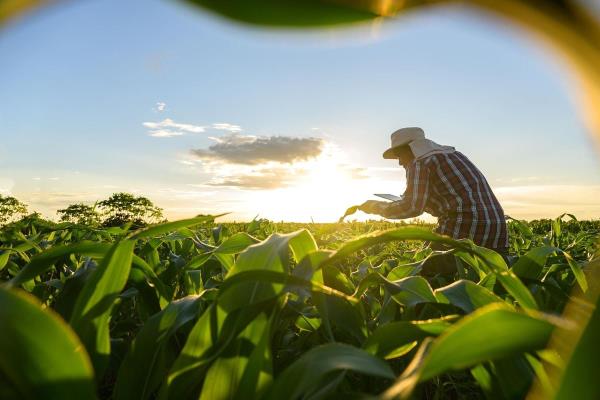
{"x": 531, "y": 264}
{"x": 230, "y": 289}
{"x": 466, "y": 295}
{"x": 403, "y": 271}
{"x": 517, "y": 289}
{"x": 44, "y": 261}
{"x": 291, "y": 13}
{"x": 4, "y": 259}
{"x": 403, "y": 233}
{"x": 92, "y": 310}
{"x": 273, "y": 254}
{"x": 577, "y": 271}
{"x": 39, "y": 353}
{"x": 305, "y": 373}
{"x": 212, "y": 333}
{"x": 164, "y": 293}
{"x": 576, "y": 346}
{"x": 236, "y": 243}
{"x": 244, "y": 367}
{"x": 489, "y": 333}
{"x": 161, "y": 229}
{"x": 148, "y": 350}
{"x": 388, "y": 341}
{"x": 408, "y": 291}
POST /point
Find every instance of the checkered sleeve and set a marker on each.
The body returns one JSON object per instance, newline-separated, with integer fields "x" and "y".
{"x": 415, "y": 196}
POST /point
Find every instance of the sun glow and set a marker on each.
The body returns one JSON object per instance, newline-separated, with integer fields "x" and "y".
{"x": 326, "y": 187}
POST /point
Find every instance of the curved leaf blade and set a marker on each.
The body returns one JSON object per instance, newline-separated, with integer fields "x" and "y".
{"x": 39, "y": 353}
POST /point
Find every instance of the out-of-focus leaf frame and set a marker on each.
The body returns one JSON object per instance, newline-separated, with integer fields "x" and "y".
{"x": 570, "y": 27}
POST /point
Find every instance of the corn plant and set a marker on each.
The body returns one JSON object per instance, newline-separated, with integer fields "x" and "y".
{"x": 195, "y": 309}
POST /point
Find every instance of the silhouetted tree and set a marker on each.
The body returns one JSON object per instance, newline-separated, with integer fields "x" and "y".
{"x": 11, "y": 208}
{"x": 80, "y": 214}
{"x": 121, "y": 208}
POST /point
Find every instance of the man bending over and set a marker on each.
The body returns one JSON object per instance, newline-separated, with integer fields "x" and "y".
{"x": 444, "y": 183}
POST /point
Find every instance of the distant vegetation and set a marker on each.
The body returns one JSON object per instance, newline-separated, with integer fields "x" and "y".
{"x": 117, "y": 210}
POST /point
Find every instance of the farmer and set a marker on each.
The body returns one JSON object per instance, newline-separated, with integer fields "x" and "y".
{"x": 444, "y": 183}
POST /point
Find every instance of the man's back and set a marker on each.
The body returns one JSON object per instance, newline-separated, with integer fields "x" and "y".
{"x": 461, "y": 198}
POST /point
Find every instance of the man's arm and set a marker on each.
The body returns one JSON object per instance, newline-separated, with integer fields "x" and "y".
{"x": 414, "y": 198}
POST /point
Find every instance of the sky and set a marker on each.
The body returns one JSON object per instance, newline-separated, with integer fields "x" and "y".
{"x": 202, "y": 115}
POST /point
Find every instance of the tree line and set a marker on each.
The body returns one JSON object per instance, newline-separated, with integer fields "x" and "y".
{"x": 118, "y": 209}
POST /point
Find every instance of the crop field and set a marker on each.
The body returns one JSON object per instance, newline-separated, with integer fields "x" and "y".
{"x": 197, "y": 309}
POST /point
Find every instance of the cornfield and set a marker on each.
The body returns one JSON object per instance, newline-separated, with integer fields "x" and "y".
{"x": 195, "y": 309}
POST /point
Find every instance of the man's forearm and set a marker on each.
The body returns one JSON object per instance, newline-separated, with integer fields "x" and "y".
{"x": 396, "y": 210}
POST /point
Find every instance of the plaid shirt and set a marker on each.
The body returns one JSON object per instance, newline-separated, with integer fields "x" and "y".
{"x": 449, "y": 187}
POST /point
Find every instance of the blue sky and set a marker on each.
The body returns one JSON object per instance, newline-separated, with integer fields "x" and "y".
{"x": 84, "y": 85}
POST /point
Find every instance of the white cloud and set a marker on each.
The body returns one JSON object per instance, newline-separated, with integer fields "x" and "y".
{"x": 227, "y": 127}
{"x": 254, "y": 150}
{"x": 165, "y": 133}
{"x": 261, "y": 178}
{"x": 160, "y": 106}
{"x": 169, "y": 128}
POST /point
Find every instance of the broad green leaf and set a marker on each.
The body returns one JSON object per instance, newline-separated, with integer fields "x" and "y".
{"x": 403, "y": 233}
{"x": 531, "y": 264}
{"x": 39, "y": 353}
{"x": 236, "y": 243}
{"x": 212, "y": 333}
{"x": 517, "y": 289}
{"x": 246, "y": 358}
{"x": 466, "y": 295}
{"x": 198, "y": 261}
{"x": 4, "y": 259}
{"x": 163, "y": 292}
{"x": 408, "y": 291}
{"x": 577, "y": 271}
{"x": 227, "y": 260}
{"x": 305, "y": 373}
{"x": 576, "y": 346}
{"x": 489, "y": 333}
{"x": 403, "y": 271}
{"x": 149, "y": 350}
{"x": 231, "y": 287}
{"x": 193, "y": 282}
{"x": 44, "y": 261}
{"x": 308, "y": 324}
{"x": 388, "y": 340}
{"x": 346, "y": 319}
{"x": 91, "y": 313}
{"x": 167, "y": 227}
{"x": 272, "y": 254}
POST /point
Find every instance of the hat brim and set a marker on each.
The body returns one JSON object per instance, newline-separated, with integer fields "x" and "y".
{"x": 390, "y": 154}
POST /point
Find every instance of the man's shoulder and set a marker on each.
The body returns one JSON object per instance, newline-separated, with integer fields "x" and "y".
{"x": 429, "y": 158}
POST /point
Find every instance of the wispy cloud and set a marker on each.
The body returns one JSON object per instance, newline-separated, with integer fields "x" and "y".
{"x": 169, "y": 128}
{"x": 160, "y": 106}
{"x": 163, "y": 133}
{"x": 253, "y": 150}
{"x": 227, "y": 127}
{"x": 263, "y": 178}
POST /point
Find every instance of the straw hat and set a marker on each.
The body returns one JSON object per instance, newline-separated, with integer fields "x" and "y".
{"x": 402, "y": 137}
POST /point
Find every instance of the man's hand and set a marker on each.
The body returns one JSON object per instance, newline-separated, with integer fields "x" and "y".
{"x": 372, "y": 206}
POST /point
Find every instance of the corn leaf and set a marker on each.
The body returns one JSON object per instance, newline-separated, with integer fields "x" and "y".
{"x": 39, "y": 353}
